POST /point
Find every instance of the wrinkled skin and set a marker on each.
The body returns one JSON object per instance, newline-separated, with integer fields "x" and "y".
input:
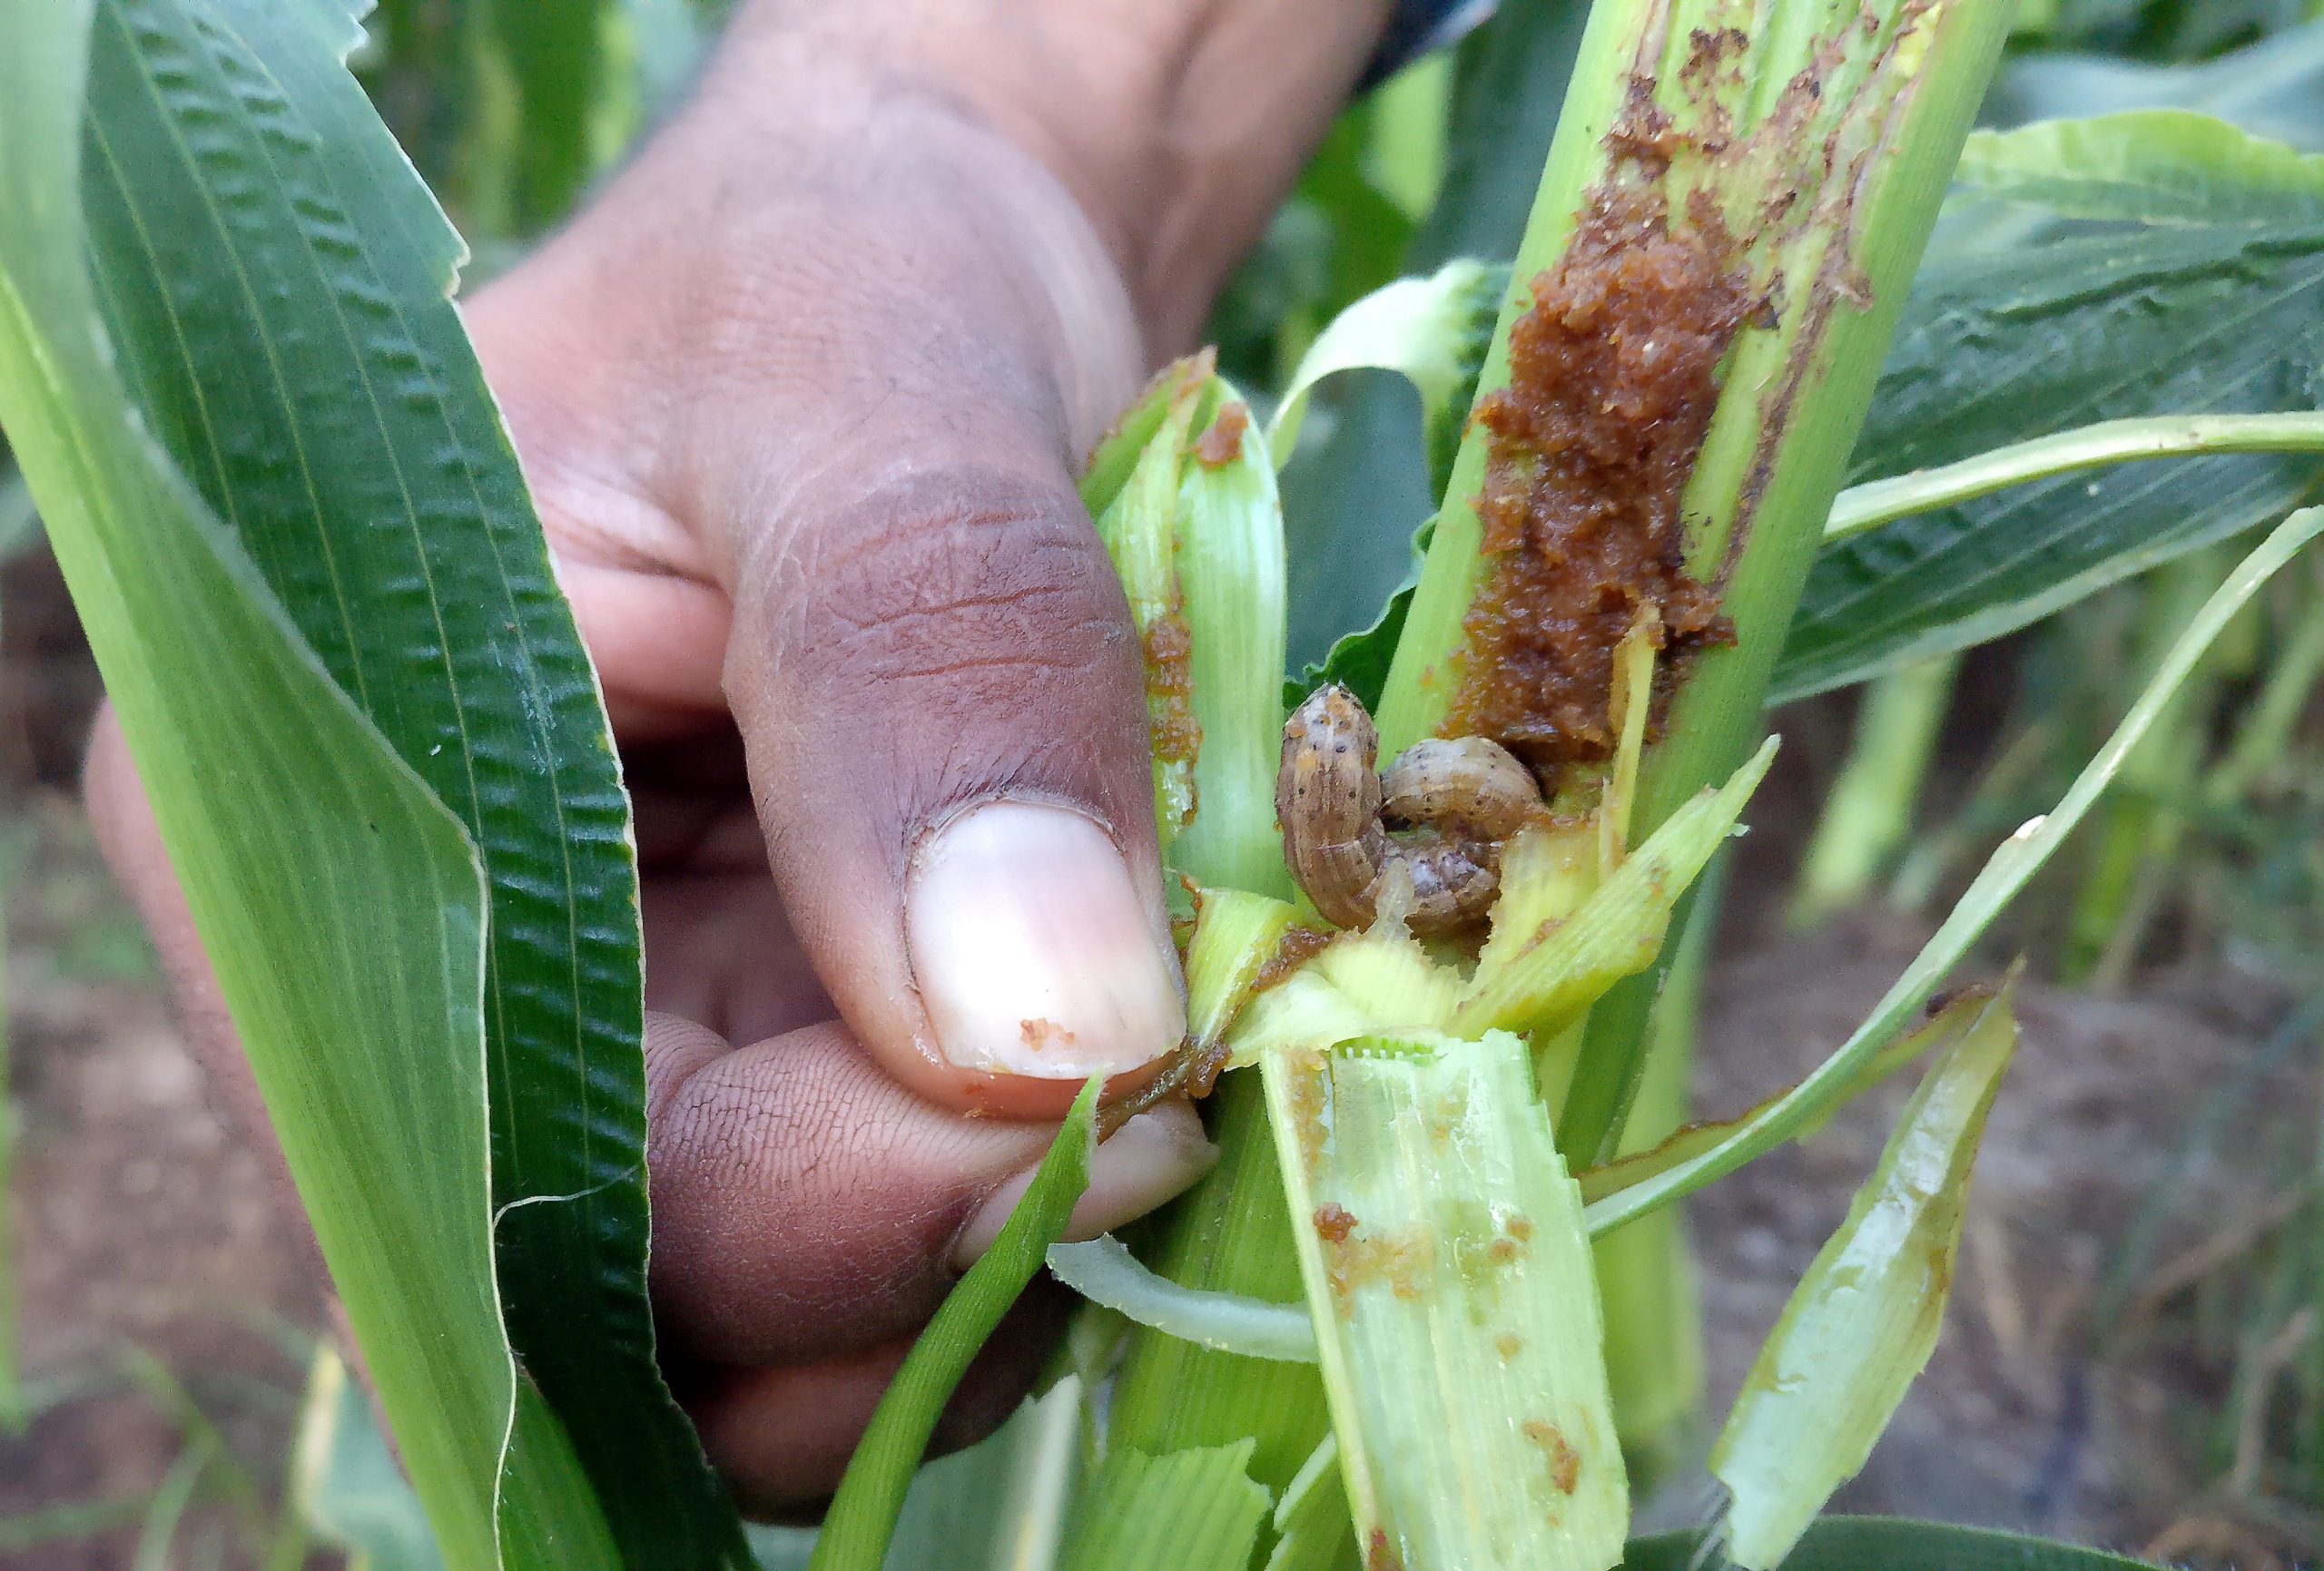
{"x": 801, "y": 397}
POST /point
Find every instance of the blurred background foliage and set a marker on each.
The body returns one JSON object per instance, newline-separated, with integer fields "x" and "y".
{"x": 152, "y": 1423}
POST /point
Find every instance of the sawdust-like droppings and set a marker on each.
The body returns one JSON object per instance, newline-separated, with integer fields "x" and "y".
{"x": 1613, "y": 379}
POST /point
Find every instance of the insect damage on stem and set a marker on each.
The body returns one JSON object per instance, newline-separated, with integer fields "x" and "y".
{"x": 1613, "y": 380}
{"x": 1430, "y": 829}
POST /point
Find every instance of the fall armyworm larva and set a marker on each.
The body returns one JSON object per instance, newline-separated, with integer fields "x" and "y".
{"x": 1440, "y": 814}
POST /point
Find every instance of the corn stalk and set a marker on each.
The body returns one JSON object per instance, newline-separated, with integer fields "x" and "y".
{"x": 1843, "y": 121}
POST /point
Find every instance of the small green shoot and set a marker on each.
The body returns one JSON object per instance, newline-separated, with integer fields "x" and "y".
{"x": 863, "y": 1515}
{"x": 1864, "y": 1318}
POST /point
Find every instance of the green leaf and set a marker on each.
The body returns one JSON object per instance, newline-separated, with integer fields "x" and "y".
{"x": 342, "y": 904}
{"x": 2109, "y": 442}
{"x": 2149, "y": 166}
{"x": 2044, "y": 327}
{"x": 1688, "y": 1140}
{"x": 344, "y": 1482}
{"x": 336, "y": 419}
{"x": 1449, "y": 1278}
{"x": 1312, "y": 1530}
{"x": 1861, "y": 1324}
{"x": 1886, "y": 1544}
{"x": 1193, "y": 1510}
{"x": 2004, "y": 875}
{"x": 863, "y": 1516}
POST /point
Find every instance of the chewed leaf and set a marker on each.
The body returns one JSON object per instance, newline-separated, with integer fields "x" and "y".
{"x": 1543, "y": 980}
{"x": 1192, "y": 1510}
{"x": 1104, "y": 1272}
{"x": 1232, "y": 589}
{"x": 1435, "y": 332}
{"x": 1237, "y": 935}
{"x": 1864, "y": 1318}
{"x": 1186, "y": 509}
{"x": 1442, "y": 1246}
{"x": 1140, "y": 529}
{"x": 1357, "y": 984}
{"x": 1119, "y": 452}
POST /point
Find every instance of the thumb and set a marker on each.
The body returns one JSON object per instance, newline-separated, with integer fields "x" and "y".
{"x": 943, "y": 705}
{"x": 931, "y": 659}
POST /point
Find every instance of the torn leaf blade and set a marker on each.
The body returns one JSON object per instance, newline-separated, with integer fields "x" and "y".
{"x": 1442, "y": 1246}
{"x": 1864, "y": 1320}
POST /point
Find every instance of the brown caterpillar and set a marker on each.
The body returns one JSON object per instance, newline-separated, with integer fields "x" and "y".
{"x": 1436, "y": 819}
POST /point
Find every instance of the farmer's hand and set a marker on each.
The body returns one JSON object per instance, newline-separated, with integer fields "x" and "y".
{"x": 802, "y": 398}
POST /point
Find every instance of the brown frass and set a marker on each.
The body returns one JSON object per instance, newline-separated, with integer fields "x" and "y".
{"x": 1613, "y": 382}
{"x": 1223, "y": 442}
{"x": 1170, "y": 688}
{"x": 1297, "y": 946}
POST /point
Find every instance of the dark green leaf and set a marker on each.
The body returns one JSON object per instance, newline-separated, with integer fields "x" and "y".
{"x": 1359, "y": 660}
{"x": 340, "y": 903}
{"x": 276, "y": 282}
{"x": 2040, "y": 334}
{"x": 1887, "y": 1544}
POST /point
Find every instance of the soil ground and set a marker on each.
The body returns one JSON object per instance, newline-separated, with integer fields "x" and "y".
{"x": 149, "y": 1238}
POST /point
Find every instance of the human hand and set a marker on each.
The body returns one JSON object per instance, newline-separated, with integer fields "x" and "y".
{"x": 801, "y": 398}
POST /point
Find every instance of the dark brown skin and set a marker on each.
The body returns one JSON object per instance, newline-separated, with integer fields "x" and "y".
{"x": 802, "y": 397}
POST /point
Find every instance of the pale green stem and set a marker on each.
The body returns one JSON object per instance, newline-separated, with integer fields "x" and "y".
{"x": 1879, "y": 501}
{"x": 1647, "y": 1278}
{"x": 1231, "y": 1233}
{"x": 1869, "y": 814}
{"x": 1792, "y": 473}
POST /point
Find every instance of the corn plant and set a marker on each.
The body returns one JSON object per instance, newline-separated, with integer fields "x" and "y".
{"x": 1432, "y": 885}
